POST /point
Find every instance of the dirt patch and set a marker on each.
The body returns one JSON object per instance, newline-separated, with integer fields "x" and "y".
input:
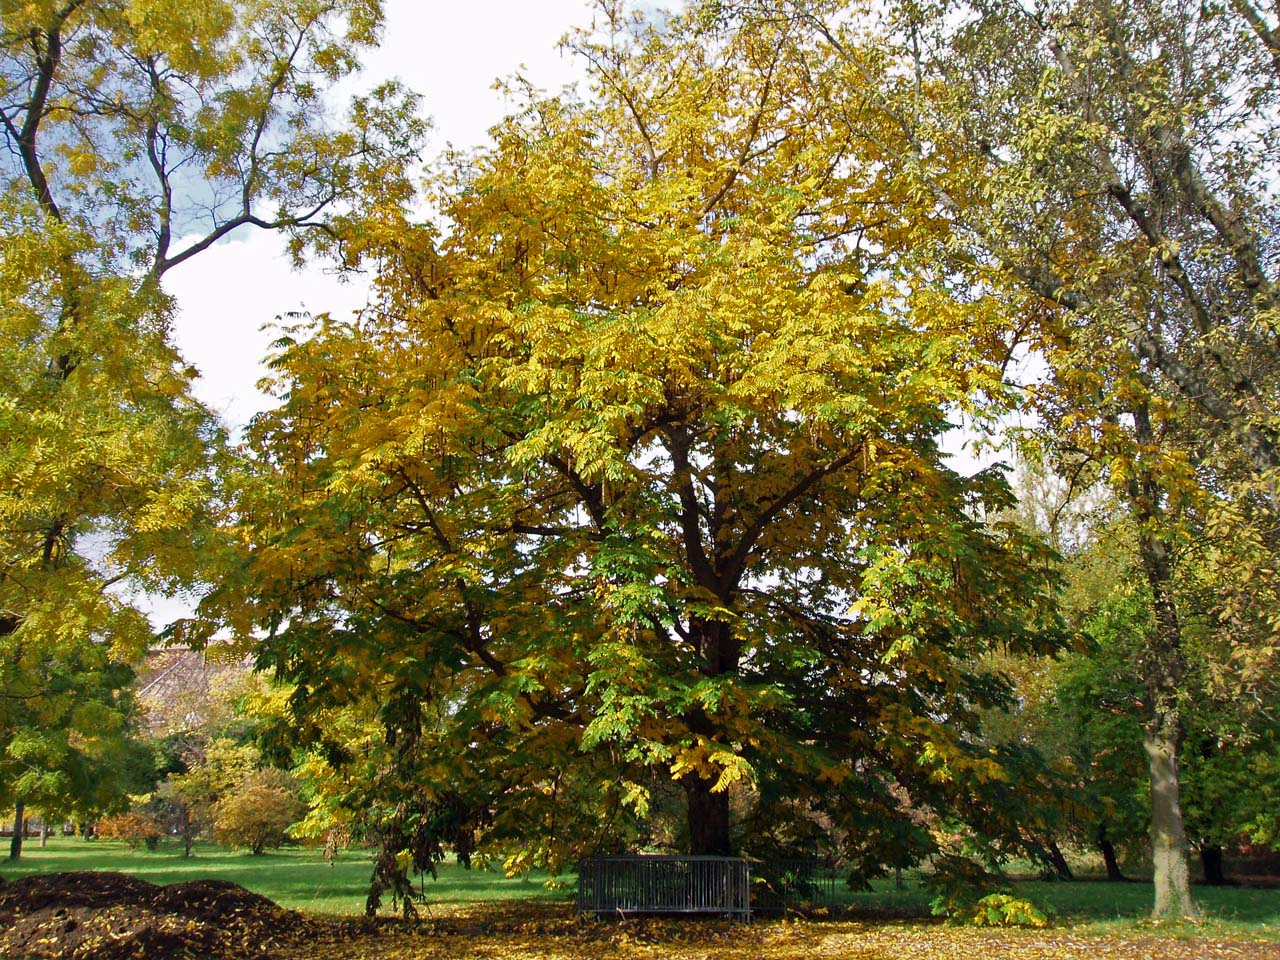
{"x": 111, "y": 916}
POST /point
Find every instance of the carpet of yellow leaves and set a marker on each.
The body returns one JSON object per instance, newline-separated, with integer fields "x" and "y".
{"x": 553, "y": 934}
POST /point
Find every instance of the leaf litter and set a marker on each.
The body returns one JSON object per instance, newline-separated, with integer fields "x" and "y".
{"x": 110, "y": 916}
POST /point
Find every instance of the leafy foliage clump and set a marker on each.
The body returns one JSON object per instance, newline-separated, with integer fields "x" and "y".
{"x": 966, "y": 893}
{"x": 134, "y": 829}
{"x": 258, "y": 813}
{"x": 1005, "y": 910}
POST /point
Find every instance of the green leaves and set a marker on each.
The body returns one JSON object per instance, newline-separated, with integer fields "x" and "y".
{"x": 133, "y": 123}
{"x": 589, "y": 501}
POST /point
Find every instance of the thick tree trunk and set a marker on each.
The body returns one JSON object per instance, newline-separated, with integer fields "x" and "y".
{"x": 708, "y": 812}
{"x": 1109, "y": 857}
{"x": 708, "y": 818}
{"x": 1168, "y": 835}
{"x": 19, "y": 819}
{"x": 1211, "y": 860}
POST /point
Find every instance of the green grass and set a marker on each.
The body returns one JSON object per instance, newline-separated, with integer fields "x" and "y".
{"x": 297, "y": 878}
{"x": 300, "y": 879}
{"x": 1097, "y": 907}
{"x": 1102, "y": 907}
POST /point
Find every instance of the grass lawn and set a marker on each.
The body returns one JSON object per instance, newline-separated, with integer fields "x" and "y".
{"x": 483, "y": 914}
{"x": 1098, "y": 906}
{"x": 297, "y": 878}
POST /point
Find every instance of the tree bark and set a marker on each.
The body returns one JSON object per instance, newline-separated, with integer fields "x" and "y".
{"x": 708, "y": 812}
{"x": 1163, "y": 666}
{"x": 1109, "y": 857}
{"x": 1056, "y": 860}
{"x": 1211, "y": 860}
{"x": 19, "y": 818}
{"x": 1168, "y": 835}
{"x": 708, "y": 818}
{"x": 44, "y": 831}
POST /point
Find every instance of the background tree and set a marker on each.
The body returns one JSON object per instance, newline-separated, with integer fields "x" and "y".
{"x": 1076, "y": 151}
{"x": 74, "y": 748}
{"x": 258, "y": 812}
{"x": 138, "y": 134}
{"x": 210, "y": 775}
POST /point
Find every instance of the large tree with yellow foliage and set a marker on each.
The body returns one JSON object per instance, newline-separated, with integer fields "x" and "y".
{"x": 631, "y": 476}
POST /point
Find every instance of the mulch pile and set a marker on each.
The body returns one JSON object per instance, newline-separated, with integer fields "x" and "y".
{"x": 111, "y": 916}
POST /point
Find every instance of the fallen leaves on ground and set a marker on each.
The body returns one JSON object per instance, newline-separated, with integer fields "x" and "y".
{"x": 552, "y": 932}
{"x": 109, "y": 916}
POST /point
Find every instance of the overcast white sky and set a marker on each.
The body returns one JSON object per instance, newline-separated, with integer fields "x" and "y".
{"x": 451, "y": 53}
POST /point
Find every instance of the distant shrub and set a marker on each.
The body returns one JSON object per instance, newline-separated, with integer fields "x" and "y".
{"x": 135, "y": 829}
{"x": 257, "y": 814}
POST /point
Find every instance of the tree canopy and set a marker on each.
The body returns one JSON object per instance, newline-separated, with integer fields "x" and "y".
{"x": 626, "y": 493}
{"x": 1104, "y": 168}
{"x": 631, "y": 475}
{"x": 139, "y": 133}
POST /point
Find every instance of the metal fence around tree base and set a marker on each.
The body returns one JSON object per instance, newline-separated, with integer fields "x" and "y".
{"x": 728, "y": 886}
{"x": 778, "y": 885}
{"x": 657, "y": 884}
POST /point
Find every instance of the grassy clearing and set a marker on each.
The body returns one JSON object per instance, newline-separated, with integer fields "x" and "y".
{"x": 1097, "y": 906}
{"x": 297, "y": 878}
{"x": 300, "y": 879}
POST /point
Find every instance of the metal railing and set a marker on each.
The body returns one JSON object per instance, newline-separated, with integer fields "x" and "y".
{"x": 660, "y": 884}
{"x": 779, "y": 884}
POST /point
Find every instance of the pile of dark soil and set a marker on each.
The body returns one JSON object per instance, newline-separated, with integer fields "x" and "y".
{"x": 110, "y": 916}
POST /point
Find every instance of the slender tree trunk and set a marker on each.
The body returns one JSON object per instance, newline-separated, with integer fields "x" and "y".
{"x": 44, "y": 832}
{"x": 19, "y": 820}
{"x": 1162, "y": 741}
{"x": 186, "y": 829}
{"x": 708, "y": 818}
{"x": 1109, "y": 857}
{"x": 1211, "y": 860}
{"x": 1058, "y": 861}
{"x": 1168, "y": 835}
{"x": 1163, "y": 666}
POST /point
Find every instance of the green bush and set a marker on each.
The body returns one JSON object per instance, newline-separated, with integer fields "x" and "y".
{"x": 1004, "y": 910}
{"x": 965, "y": 892}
